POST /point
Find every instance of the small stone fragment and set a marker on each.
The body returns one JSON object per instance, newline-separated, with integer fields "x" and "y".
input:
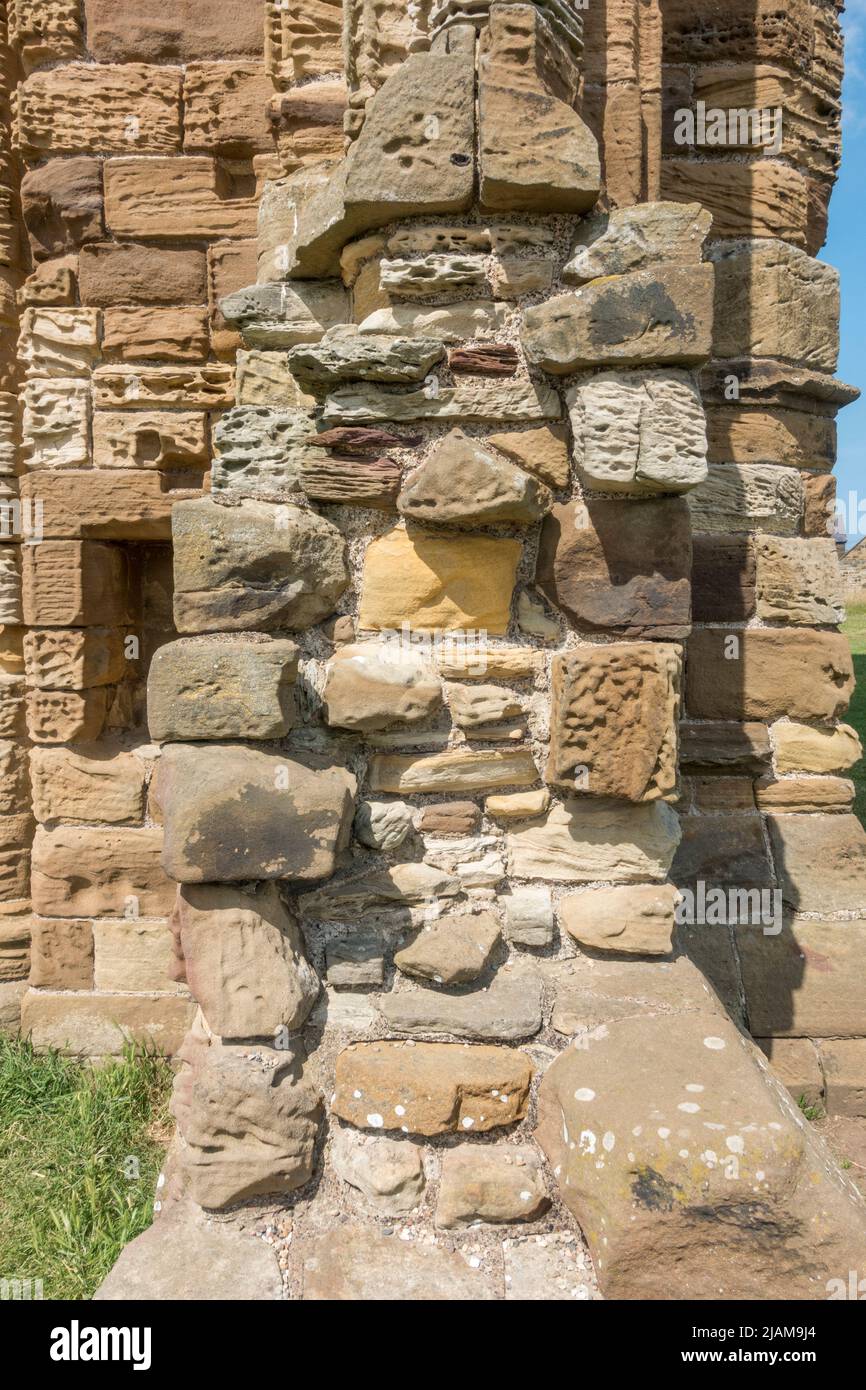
{"x": 636, "y": 920}
{"x": 390, "y": 1174}
{"x": 490, "y": 1183}
{"x": 371, "y": 685}
{"x": 451, "y": 950}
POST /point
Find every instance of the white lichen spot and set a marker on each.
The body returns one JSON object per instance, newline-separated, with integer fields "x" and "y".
{"x": 468, "y": 1122}
{"x": 375, "y": 1121}
{"x": 735, "y": 1144}
{"x": 714, "y": 1044}
{"x": 608, "y": 1140}
{"x": 584, "y": 1093}
{"x": 689, "y": 1107}
{"x": 663, "y": 1133}
{"x": 694, "y": 1086}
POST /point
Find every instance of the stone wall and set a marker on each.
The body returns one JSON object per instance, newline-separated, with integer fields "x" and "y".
{"x": 505, "y": 630}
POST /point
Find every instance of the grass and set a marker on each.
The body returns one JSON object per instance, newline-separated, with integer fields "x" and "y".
{"x": 855, "y": 628}
{"x": 80, "y": 1150}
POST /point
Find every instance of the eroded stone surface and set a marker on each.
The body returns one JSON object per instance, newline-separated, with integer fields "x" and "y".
{"x": 639, "y": 432}
{"x": 584, "y": 842}
{"x": 633, "y": 238}
{"x": 452, "y": 950}
{"x": 490, "y": 1183}
{"x": 221, "y": 688}
{"x": 632, "y": 920}
{"x": 463, "y": 484}
{"x": 388, "y": 1173}
{"x": 370, "y": 685}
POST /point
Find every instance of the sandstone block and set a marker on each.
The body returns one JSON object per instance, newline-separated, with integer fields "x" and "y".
{"x": 87, "y": 872}
{"x": 61, "y": 202}
{"x": 55, "y": 423}
{"x": 233, "y": 813}
{"x": 529, "y": 916}
{"x": 586, "y": 842}
{"x": 450, "y": 950}
{"x": 799, "y": 581}
{"x": 225, "y": 109}
{"x": 221, "y": 688}
{"x": 448, "y": 818}
{"x": 90, "y": 785}
{"x": 450, "y": 323}
{"x": 436, "y": 273}
{"x": 457, "y": 771}
{"x": 844, "y": 1064}
{"x": 508, "y": 1009}
{"x": 434, "y": 580}
{"x": 264, "y": 379}
{"x": 639, "y": 431}
{"x": 794, "y": 1062}
{"x": 260, "y": 452}
{"x": 134, "y": 334}
{"x": 772, "y": 300}
{"x": 46, "y": 31}
{"x": 470, "y": 398}
{"x": 344, "y": 354}
{"x": 66, "y": 716}
{"x": 255, "y": 565}
{"x": 430, "y": 1088}
{"x": 619, "y": 565}
{"x": 132, "y": 956}
{"x": 614, "y": 721}
{"x": 801, "y": 748}
{"x": 161, "y": 439}
{"x": 633, "y": 920}
{"x": 110, "y": 273}
{"x": 767, "y": 674}
{"x": 284, "y": 315}
{"x": 230, "y": 266}
{"x": 15, "y": 934}
{"x": 820, "y": 861}
{"x": 723, "y": 577}
{"x": 389, "y": 1174}
{"x": 382, "y": 824}
{"x": 105, "y": 504}
{"x": 356, "y": 960}
{"x": 749, "y": 434}
{"x": 542, "y": 451}
{"x": 61, "y": 954}
{"x": 74, "y": 658}
{"x": 748, "y": 497}
{"x": 805, "y": 982}
{"x": 490, "y": 1183}
{"x": 80, "y": 108}
{"x": 358, "y": 1264}
{"x": 370, "y": 685}
{"x": 633, "y": 238}
{"x": 74, "y": 583}
{"x": 749, "y": 199}
{"x": 169, "y": 198}
{"x": 59, "y": 342}
{"x": 353, "y": 481}
{"x": 406, "y": 883}
{"x": 196, "y": 388}
{"x": 102, "y": 1025}
{"x": 462, "y": 484}
{"x": 474, "y": 706}
{"x": 190, "y": 30}
{"x": 14, "y": 778}
{"x": 804, "y": 793}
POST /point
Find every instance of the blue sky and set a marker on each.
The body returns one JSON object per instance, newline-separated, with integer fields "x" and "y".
{"x": 845, "y": 248}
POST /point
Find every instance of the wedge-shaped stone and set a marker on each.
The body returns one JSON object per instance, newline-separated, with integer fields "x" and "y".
{"x": 748, "y": 497}
{"x": 542, "y": 451}
{"x": 432, "y": 580}
{"x": 79, "y": 108}
{"x": 225, "y": 687}
{"x": 663, "y": 314}
{"x": 772, "y": 300}
{"x": 254, "y": 566}
{"x": 714, "y": 1133}
{"x": 614, "y": 720}
{"x": 93, "y": 872}
{"x": 634, "y": 238}
{"x": 799, "y": 581}
{"x": 431, "y": 1088}
{"x": 586, "y": 842}
{"x": 344, "y": 354}
{"x": 432, "y": 274}
{"x": 621, "y": 566}
{"x": 279, "y": 316}
{"x": 457, "y": 771}
{"x": 801, "y": 748}
{"x": 399, "y": 885}
{"x": 631, "y": 920}
{"x": 234, "y": 813}
{"x": 247, "y": 1117}
{"x": 259, "y": 451}
{"x": 450, "y": 323}
{"x": 509, "y": 1008}
{"x": 639, "y": 431}
{"x": 463, "y": 484}
{"x": 370, "y": 685}
{"x": 768, "y": 674}
{"x": 470, "y": 398}
{"x": 244, "y": 960}
{"x": 450, "y": 950}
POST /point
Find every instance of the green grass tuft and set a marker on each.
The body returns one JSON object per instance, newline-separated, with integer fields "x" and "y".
{"x": 812, "y": 1112}
{"x": 855, "y": 629}
{"x": 67, "y": 1133}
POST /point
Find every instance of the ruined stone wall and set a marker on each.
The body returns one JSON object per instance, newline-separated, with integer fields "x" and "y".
{"x": 505, "y": 629}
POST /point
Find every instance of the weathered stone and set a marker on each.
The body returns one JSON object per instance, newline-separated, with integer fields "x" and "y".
{"x": 230, "y": 266}
{"x": 73, "y": 658}
{"x": 513, "y": 278}
{"x": 132, "y": 955}
{"x": 307, "y": 123}
{"x": 190, "y": 30}
{"x": 619, "y": 565}
{"x": 259, "y": 452}
{"x": 767, "y": 674}
{"x": 723, "y": 577}
{"x": 772, "y": 300}
{"x": 58, "y": 342}
{"x": 724, "y": 747}
{"x": 244, "y": 960}
{"x": 247, "y": 1119}
{"x": 110, "y": 273}
{"x": 134, "y": 334}
{"x": 357, "y": 1264}
{"x": 806, "y": 981}
{"x": 234, "y": 813}
{"x": 542, "y": 451}
{"x": 462, "y": 484}
{"x": 450, "y": 950}
{"x": 529, "y": 916}
{"x": 750, "y": 434}
{"x": 95, "y": 784}
{"x": 62, "y": 205}
{"x": 534, "y": 620}
{"x": 400, "y": 884}
{"x": 799, "y": 581}
{"x": 264, "y": 379}
{"x": 66, "y": 716}
{"x": 430, "y": 1088}
{"x": 203, "y": 388}
{"x": 344, "y": 354}
{"x": 431, "y": 274}
{"x": 631, "y": 920}
{"x": 659, "y": 315}
{"x": 14, "y": 778}
{"x": 490, "y": 1183}
{"x": 106, "y": 503}
{"x": 362, "y": 439}
{"x": 804, "y": 793}
{"x": 614, "y": 720}
{"x": 61, "y": 955}
{"x": 633, "y": 238}
{"x": 370, "y": 685}
{"x": 450, "y": 323}
{"x": 184, "y": 1256}
{"x": 760, "y": 198}
{"x": 383, "y": 824}
{"x": 214, "y": 688}
{"x": 55, "y": 423}
{"x": 465, "y": 663}
{"x": 470, "y": 398}
{"x": 496, "y": 360}
{"x": 388, "y": 1173}
{"x": 438, "y": 581}
{"x": 79, "y": 108}
{"x": 456, "y": 771}
{"x": 45, "y": 31}
{"x": 102, "y": 1025}
{"x": 356, "y": 960}
{"x": 639, "y": 431}
{"x": 151, "y": 439}
{"x": 794, "y": 1062}
{"x": 748, "y": 497}
{"x": 50, "y": 282}
{"x": 819, "y": 513}
{"x": 172, "y": 197}
{"x": 225, "y": 109}
{"x": 644, "y": 1200}
{"x": 255, "y": 565}
{"x": 820, "y": 861}
{"x": 473, "y": 706}
{"x": 801, "y": 748}
{"x": 87, "y": 872}
{"x": 282, "y": 315}
{"x": 844, "y": 1064}
{"x": 449, "y": 818}
{"x": 507, "y": 1010}
{"x": 584, "y": 842}
{"x": 74, "y": 583}
{"x": 14, "y": 948}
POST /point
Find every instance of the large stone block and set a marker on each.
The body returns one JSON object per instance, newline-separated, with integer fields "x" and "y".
{"x": 767, "y": 674}
{"x": 110, "y": 274}
{"x": 62, "y": 205}
{"x": 141, "y": 332}
{"x": 75, "y": 584}
{"x": 244, "y": 960}
{"x": 807, "y": 981}
{"x": 369, "y": 685}
{"x": 254, "y": 566}
{"x": 188, "y": 30}
{"x": 463, "y": 484}
{"x": 633, "y": 238}
{"x": 105, "y": 504}
{"x": 614, "y": 721}
{"x": 74, "y": 658}
{"x": 639, "y": 431}
{"x": 722, "y": 849}
{"x": 80, "y": 108}
{"x": 95, "y": 784}
{"x": 748, "y": 497}
{"x": 619, "y": 566}
{"x": 89, "y": 872}
{"x": 470, "y": 398}
{"x": 233, "y": 813}
{"x": 820, "y": 862}
{"x": 168, "y": 198}
{"x": 283, "y": 315}
{"x": 195, "y": 388}
{"x": 773, "y": 300}
{"x": 663, "y": 314}
{"x": 161, "y": 439}
{"x": 432, "y": 580}
{"x": 55, "y": 424}
{"x": 747, "y": 198}
{"x": 799, "y": 581}
{"x": 221, "y": 688}
{"x": 103, "y": 1025}
{"x": 589, "y": 842}
{"x": 225, "y": 109}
